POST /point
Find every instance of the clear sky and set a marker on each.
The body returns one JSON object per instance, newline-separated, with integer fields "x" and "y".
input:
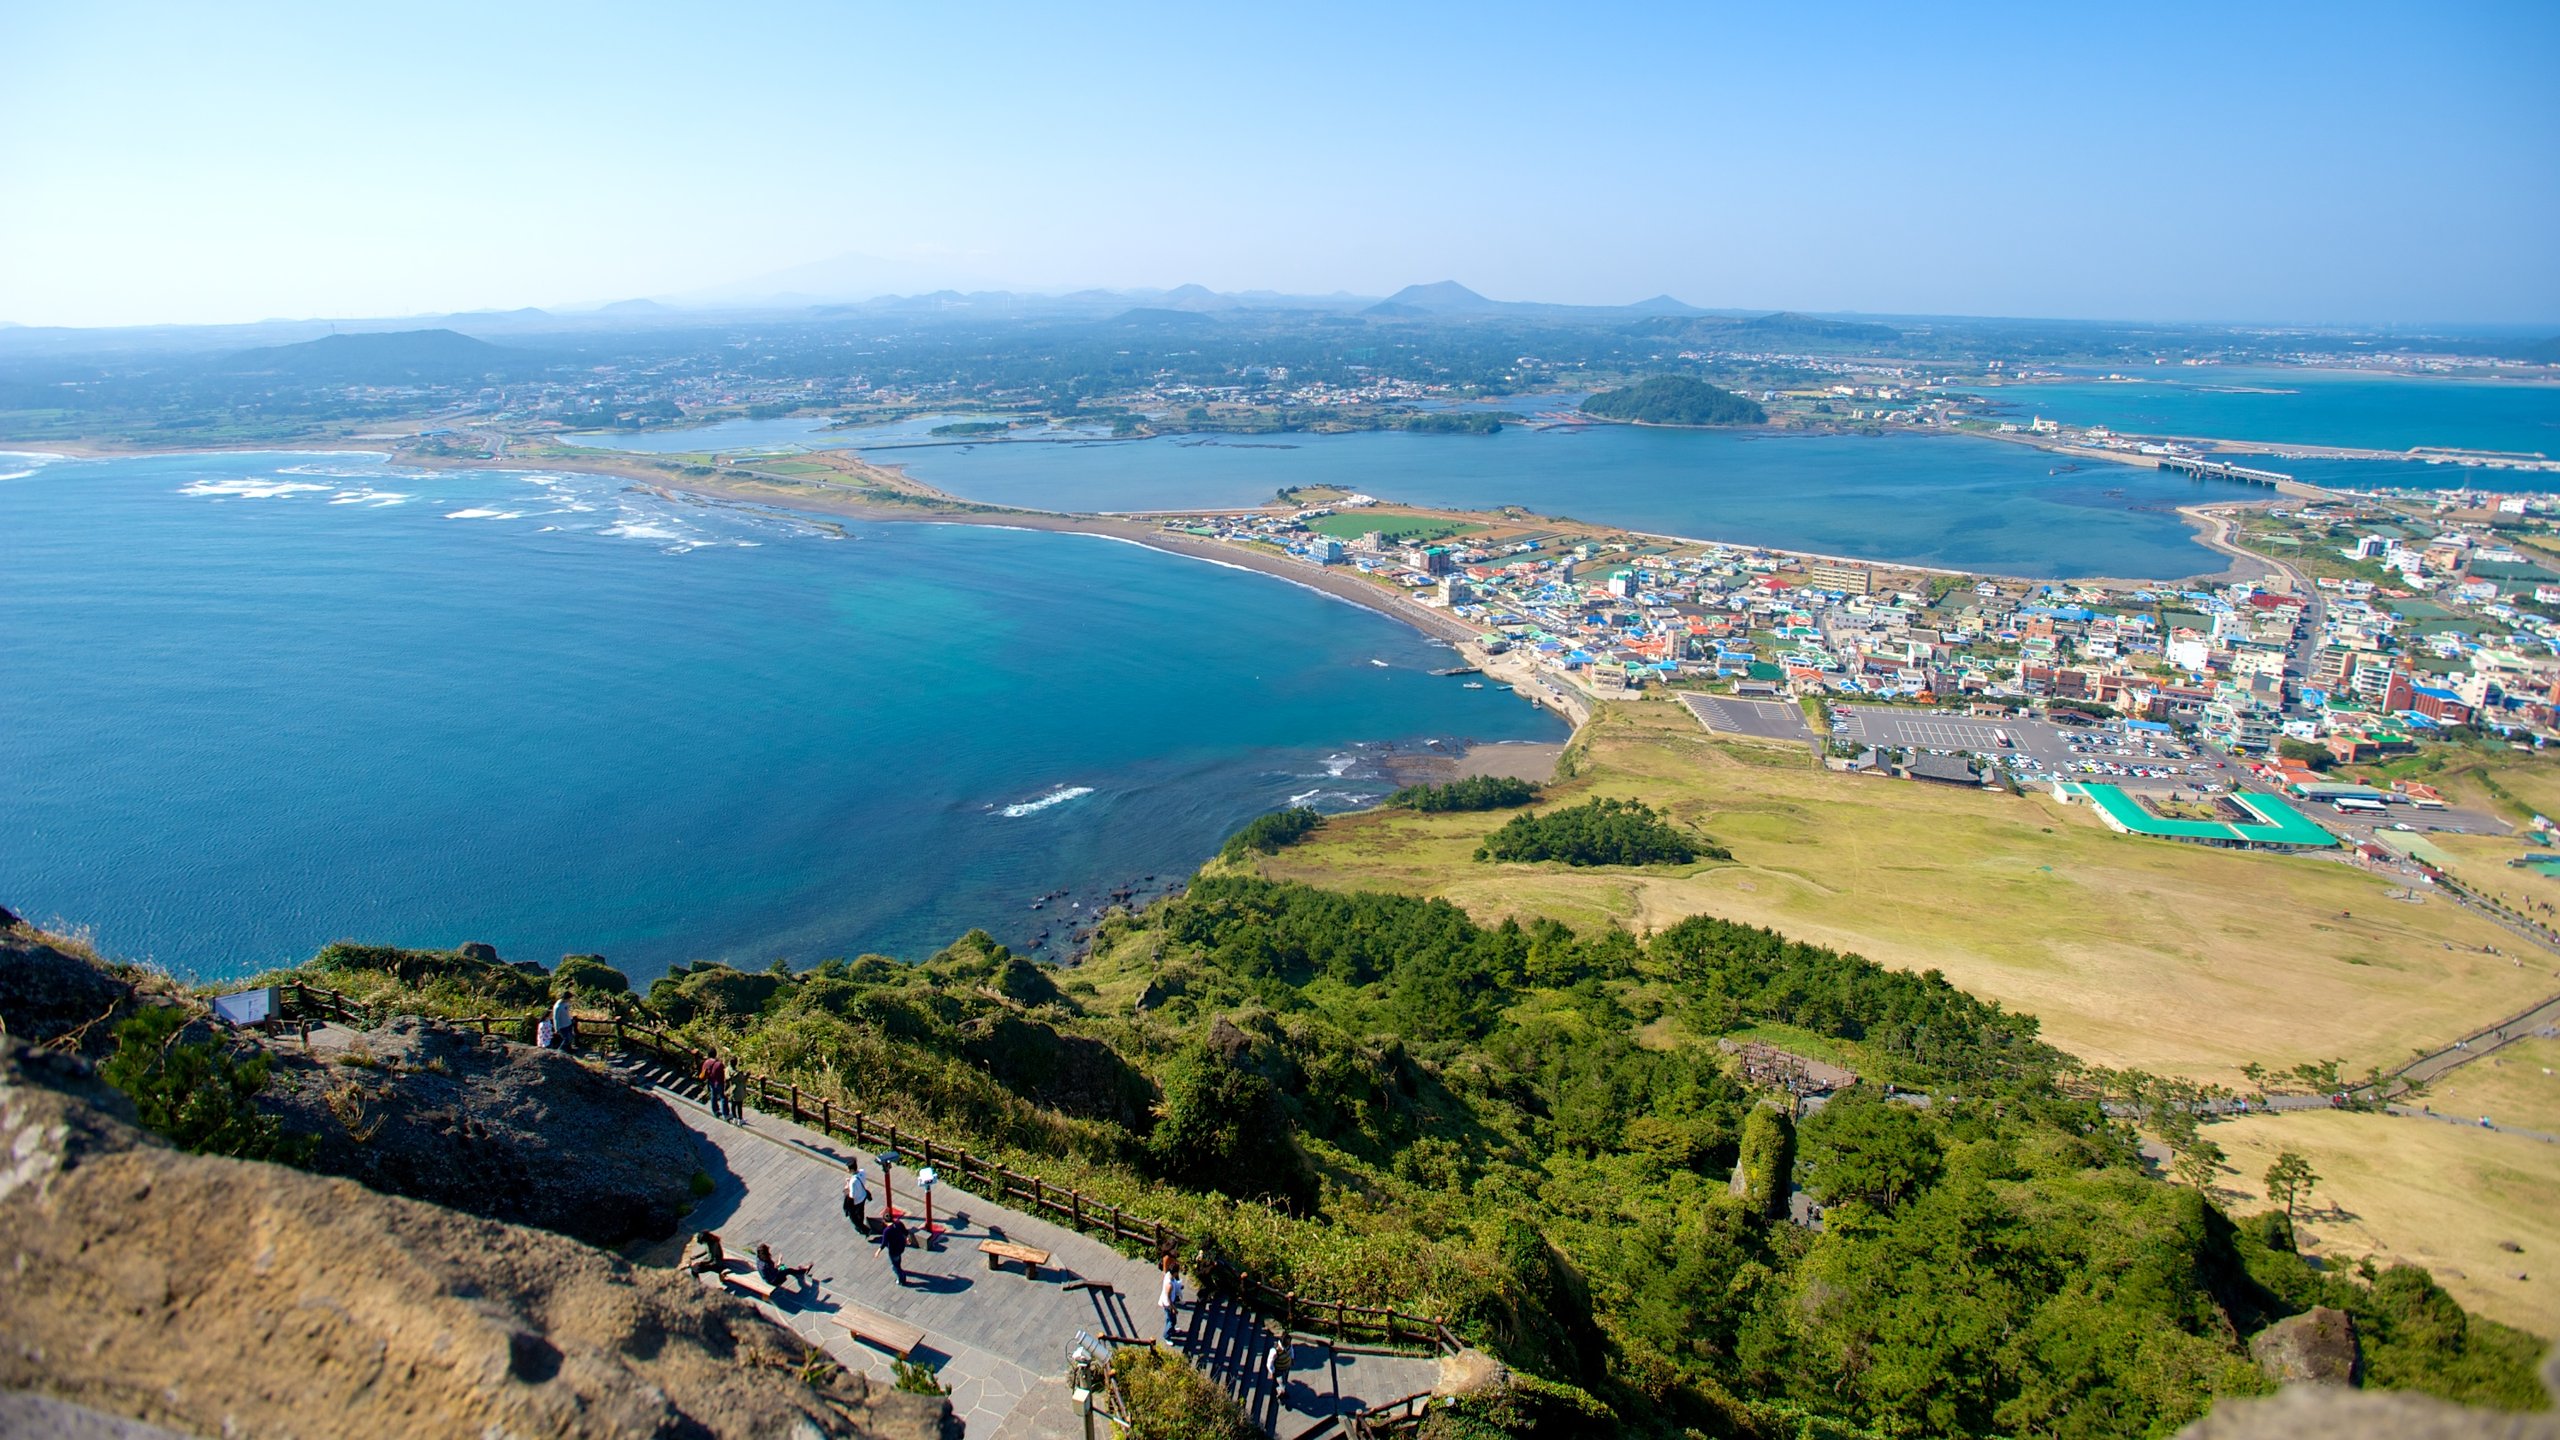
{"x": 2306, "y": 162}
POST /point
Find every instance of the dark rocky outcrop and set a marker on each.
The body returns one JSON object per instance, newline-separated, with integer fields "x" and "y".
{"x": 213, "y": 1296}
{"x": 2316, "y": 1347}
{"x": 488, "y": 1126}
{"x": 48, "y": 992}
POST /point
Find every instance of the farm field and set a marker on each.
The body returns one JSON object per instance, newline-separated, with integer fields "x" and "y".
{"x": 2436, "y": 1195}
{"x": 2139, "y": 953}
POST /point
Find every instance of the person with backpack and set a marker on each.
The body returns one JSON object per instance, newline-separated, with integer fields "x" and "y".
{"x": 857, "y": 1197}
{"x": 715, "y": 1082}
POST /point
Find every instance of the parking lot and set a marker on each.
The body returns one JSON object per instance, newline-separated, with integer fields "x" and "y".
{"x": 1760, "y": 719}
{"x": 2037, "y": 749}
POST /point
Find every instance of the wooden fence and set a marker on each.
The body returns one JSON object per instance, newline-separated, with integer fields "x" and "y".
{"x": 970, "y": 1171}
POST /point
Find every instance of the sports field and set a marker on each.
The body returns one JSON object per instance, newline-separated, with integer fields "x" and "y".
{"x": 2438, "y": 1195}
{"x": 2167, "y": 956}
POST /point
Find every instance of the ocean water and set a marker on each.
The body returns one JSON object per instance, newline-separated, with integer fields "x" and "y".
{"x": 259, "y": 702}
{"x": 1952, "y": 501}
{"x": 2347, "y": 408}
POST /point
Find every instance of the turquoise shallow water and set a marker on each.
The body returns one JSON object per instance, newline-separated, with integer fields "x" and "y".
{"x": 259, "y": 702}
{"x": 2354, "y": 409}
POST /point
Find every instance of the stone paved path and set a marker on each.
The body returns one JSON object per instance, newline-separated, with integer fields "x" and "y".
{"x": 997, "y": 1339}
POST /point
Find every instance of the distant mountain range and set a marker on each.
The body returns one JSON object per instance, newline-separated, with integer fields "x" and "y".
{"x": 423, "y": 357}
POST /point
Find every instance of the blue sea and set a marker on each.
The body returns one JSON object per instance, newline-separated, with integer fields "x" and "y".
{"x": 2287, "y": 406}
{"x": 257, "y": 702}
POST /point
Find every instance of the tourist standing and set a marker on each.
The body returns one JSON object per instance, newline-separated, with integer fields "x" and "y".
{"x": 1169, "y": 1293}
{"x": 715, "y": 1083}
{"x": 564, "y": 1026}
{"x": 893, "y": 1239}
{"x": 857, "y": 1197}
{"x": 738, "y": 1097}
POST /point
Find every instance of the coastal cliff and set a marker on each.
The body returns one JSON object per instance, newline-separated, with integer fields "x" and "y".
{"x": 208, "y": 1295}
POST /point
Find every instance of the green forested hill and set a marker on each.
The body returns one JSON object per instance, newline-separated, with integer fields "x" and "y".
{"x": 1675, "y": 400}
{"x": 1530, "y": 1132}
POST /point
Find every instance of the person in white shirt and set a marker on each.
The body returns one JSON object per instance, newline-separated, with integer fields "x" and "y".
{"x": 857, "y": 1197}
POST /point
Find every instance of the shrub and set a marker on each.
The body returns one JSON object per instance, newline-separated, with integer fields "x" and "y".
{"x": 1597, "y": 832}
{"x": 1768, "y": 1161}
{"x": 1169, "y": 1399}
{"x": 1475, "y": 792}
{"x": 1270, "y": 834}
{"x": 196, "y": 1094}
{"x": 589, "y": 975}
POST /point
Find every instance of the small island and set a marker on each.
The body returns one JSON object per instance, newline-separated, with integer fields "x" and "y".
{"x": 1675, "y": 400}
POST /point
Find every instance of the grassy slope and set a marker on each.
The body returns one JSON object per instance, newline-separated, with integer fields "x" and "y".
{"x": 2439, "y": 1195}
{"x": 2154, "y": 954}
{"x": 2519, "y": 1085}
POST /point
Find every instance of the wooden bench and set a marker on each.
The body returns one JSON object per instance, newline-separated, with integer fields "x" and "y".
{"x": 999, "y": 1251}
{"x": 873, "y": 1328}
{"x": 746, "y": 1279}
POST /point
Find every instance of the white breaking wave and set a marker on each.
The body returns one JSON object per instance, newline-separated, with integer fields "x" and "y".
{"x": 479, "y": 513}
{"x": 642, "y": 530}
{"x": 1059, "y": 796}
{"x": 370, "y": 497}
{"x": 1338, "y": 766}
{"x": 249, "y": 489}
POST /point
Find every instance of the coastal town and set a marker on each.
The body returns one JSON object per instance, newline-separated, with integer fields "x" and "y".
{"x": 2394, "y": 621}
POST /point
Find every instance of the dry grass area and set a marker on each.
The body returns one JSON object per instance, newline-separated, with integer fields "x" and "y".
{"x": 2438, "y": 1195}
{"x": 2480, "y": 861}
{"x": 2151, "y": 953}
{"x": 2519, "y": 1085}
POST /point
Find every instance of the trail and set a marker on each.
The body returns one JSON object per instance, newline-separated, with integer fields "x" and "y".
{"x": 997, "y": 1339}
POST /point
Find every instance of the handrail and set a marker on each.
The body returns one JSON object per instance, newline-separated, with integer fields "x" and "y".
{"x": 996, "y": 1182}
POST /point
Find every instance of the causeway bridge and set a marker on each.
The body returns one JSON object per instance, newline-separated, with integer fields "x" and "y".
{"x": 2223, "y": 470}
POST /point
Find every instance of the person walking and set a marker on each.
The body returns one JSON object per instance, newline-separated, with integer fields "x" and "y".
{"x": 564, "y": 1026}
{"x": 715, "y": 1083}
{"x": 857, "y": 1197}
{"x": 1169, "y": 1293}
{"x": 893, "y": 1239}
{"x": 738, "y": 1097}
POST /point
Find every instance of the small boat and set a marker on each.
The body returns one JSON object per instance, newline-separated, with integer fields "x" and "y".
{"x": 1381, "y": 664}
{"x": 1472, "y": 685}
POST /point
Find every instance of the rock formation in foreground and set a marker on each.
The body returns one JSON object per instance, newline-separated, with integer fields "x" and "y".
{"x": 213, "y": 1296}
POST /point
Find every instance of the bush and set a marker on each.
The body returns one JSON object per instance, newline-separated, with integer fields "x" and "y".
{"x": 1768, "y": 1161}
{"x": 1475, "y": 792}
{"x": 197, "y": 1095}
{"x": 1223, "y": 1130}
{"x": 1270, "y": 834}
{"x": 1169, "y": 1399}
{"x": 589, "y": 975}
{"x": 1597, "y": 832}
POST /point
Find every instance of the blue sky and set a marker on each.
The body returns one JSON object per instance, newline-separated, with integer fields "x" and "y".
{"x": 2334, "y": 162}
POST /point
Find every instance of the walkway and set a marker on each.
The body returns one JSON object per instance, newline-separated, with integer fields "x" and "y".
{"x": 998, "y": 1340}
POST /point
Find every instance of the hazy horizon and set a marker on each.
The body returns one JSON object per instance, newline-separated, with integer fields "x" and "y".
{"x": 2381, "y": 167}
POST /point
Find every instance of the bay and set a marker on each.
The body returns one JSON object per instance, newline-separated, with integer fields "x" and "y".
{"x": 257, "y": 702}
{"x": 1951, "y": 501}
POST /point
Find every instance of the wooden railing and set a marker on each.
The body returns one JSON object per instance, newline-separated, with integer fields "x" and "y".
{"x": 970, "y": 1171}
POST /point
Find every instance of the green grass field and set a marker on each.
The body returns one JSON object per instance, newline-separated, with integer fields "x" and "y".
{"x": 1400, "y": 529}
{"x": 2166, "y": 956}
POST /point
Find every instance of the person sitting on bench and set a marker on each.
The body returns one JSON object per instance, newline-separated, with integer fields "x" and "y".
{"x": 774, "y": 1272}
{"x": 704, "y": 1256}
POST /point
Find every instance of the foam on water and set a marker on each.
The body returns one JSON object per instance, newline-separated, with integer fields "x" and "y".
{"x": 1059, "y": 796}
{"x": 482, "y": 512}
{"x": 250, "y": 489}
